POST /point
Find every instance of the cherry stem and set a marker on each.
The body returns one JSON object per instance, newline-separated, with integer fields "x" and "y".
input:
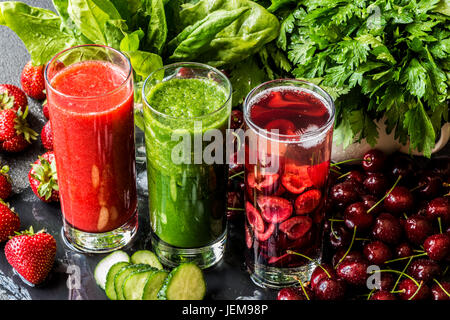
{"x": 349, "y": 248}
{"x": 236, "y": 174}
{"x": 335, "y": 171}
{"x": 442, "y": 288}
{"x": 336, "y": 220}
{"x": 439, "y": 224}
{"x": 308, "y": 258}
{"x": 235, "y": 209}
{"x": 418, "y": 289}
{"x": 384, "y": 197}
{"x": 332, "y": 229}
{"x": 402, "y": 273}
{"x": 336, "y": 164}
{"x": 404, "y": 258}
{"x": 344, "y": 175}
{"x": 303, "y": 288}
{"x": 370, "y": 294}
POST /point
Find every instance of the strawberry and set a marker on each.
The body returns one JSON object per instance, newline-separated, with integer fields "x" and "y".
{"x": 5, "y": 183}
{"x": 9, "y": 221}
{"x": 32, "y": 81}
{"x": 45, "y": 110}
{"x": 31, "y": 254}
{"x": 43, "y": 178}
{"x": 47, "y": 136}
{"x": 12, "y": 97}
{"x": 14, "y": 123}
{"x": 15, "y": 144}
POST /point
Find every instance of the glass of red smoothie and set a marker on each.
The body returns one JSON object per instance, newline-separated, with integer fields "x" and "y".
{"x": 289, "y": 136}
{"x": 90, "y": 97}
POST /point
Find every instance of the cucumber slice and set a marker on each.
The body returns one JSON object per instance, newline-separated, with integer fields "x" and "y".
{"x": 102, "y": 268}
{"x": 133, "y": 286}
{"x": 185, "y": 282}
{"x": 154, "y": 284}
{"x": 109, "y": 286}
{"x": 122, "y": 275}
{"x": 146, "y": 257}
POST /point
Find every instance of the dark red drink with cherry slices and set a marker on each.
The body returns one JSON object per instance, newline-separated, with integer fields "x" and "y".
{"x": 288, "y": 146}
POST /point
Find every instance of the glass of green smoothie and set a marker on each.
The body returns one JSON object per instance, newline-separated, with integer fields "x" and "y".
{"x": 186, "y": 114}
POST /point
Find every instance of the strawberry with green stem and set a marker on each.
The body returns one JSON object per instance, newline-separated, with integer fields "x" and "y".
{"x": 12, "y": 97}
{"x": 9, "y": 221}
{"x": 31, "y": 254}
{"x": 43, "y": 178}
{"x": 15, "y": 132}
{"x": 5, "y": 183}
{"x": 33, "y": 82}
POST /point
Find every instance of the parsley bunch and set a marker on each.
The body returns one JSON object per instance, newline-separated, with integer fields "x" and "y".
{"x": 384, "y": 59}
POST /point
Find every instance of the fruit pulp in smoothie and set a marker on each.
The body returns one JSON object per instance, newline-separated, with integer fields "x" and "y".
{"x": 285, "y": 207}
{"x": 93, "y": 131}
{"x": 186, "y": 199}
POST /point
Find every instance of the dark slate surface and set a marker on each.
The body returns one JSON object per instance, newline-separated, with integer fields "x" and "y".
{"x": 228, "y": 280}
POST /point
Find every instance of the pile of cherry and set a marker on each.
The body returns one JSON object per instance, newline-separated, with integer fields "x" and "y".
{"x": 387, "y": 235}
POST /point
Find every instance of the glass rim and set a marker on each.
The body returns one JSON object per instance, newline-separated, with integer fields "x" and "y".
{"x": 125, "y": 81}
{"x": 187, "y": 64}
{"x": 288, "y": 138}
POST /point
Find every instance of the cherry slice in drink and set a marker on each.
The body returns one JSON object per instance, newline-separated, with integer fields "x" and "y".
{"x": 274, "y": 209}
{"x": 282, "y": 125}
{"x": 254, "y": 217}
{"x": 267, "y": 183}
{"x": 307, "y": 201}
{"x": 248, "y": 237}
{"x": 263, "y": 236}
{"x": 296, "y": 178}
{"x": 296, "y": 227}
{"x": 281, "y": 260}
{"x": 318, "y": 173}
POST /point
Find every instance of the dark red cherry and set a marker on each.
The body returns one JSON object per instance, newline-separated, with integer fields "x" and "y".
{"x": 401, "y": 165}
{"x": 429, "y": 185}
{"x": 340, "y": 237}
{"x": 437, "y": 246}
{"x": 387, "y": 228}
{"x": 237, "y": 119}
{"x": 356, "y": 176}
{"x": 356, "y": 215}
{"x": 438, "y": 294}
{"x": 376, "y": 183}
{"x": 353, "y": 272}
{"x": 293, "y": 294}
{"x": 369, "y": 203}
{"x": 387, "y": 281}
{"x": 330, "y": 289}
{"x": 344, "y": 193}
{"x": 373, "y": 160}
{"x": 319, "y": 274}
{"x": 439, "y": 207}
{"x": 234, "y": 201}
{"x": 424, "y": 269}
{"x": 382, "y": 295}
{"x": 377, "y": 252}
{"x": 403, "y": 250}
{"x": 417, "y": 229}
{"x": 351, "y": 256}
{"x": 399, "y": 201}
{"x": 408, "y": 290}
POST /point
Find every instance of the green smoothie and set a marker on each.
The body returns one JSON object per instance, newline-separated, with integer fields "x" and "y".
{"x": 187, "y": 200}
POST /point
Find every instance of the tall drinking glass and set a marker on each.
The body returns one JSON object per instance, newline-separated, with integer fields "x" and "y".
{"x": 289, "y": 136}
{"x": 90, "y": 98}
{"x": 186, "y": 113}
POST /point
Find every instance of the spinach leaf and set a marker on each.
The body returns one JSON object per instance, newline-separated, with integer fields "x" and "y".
{"x": 40, "y": 30}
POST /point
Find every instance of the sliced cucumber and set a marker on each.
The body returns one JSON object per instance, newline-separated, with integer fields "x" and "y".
{"x": 102, "y": 268}
{"x": 146, "y": 257}
{"x": 122, "y": 275}
{"x": 154, "y": 284}
{"x": 133, "y": 286}
{"x": 109, "y": 286}
{"x": 185, "y": 282}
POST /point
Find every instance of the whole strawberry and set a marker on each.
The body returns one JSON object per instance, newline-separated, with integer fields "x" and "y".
{"x": 47, "y": 136}
{"x": 43, "y": 178}
{"x": 12, "y": 97}
{"x": 45, "y": 110}
{"x": 32, "y": 81}
{"x": 31, "y": 254}
{"x": 5, "y": 183}
{"x": 15, "y": 133}
{"x": 9, "y": 221}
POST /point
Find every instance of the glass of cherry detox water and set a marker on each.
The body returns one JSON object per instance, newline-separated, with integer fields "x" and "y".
{"x": 90, "y": 98}
{"x": 288, "y": 147}
{"x": 187, "y": 107}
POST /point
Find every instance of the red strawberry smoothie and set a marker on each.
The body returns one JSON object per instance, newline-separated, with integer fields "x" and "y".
{"x": 93, "y": 131}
